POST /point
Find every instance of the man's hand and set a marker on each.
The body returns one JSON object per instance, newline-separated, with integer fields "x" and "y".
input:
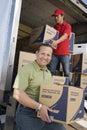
{"x": 44, "y": 113}
{"x": 54, "y": 44}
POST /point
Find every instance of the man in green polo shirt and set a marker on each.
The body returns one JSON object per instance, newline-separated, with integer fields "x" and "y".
{"x": 26, "y": 92}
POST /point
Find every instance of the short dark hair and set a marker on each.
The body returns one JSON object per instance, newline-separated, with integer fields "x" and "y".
{"x": 45, "y": 45}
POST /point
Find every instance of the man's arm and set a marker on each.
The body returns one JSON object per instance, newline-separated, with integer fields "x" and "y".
{"x": 25, "y": 100}
{"x": 61, "y": 39}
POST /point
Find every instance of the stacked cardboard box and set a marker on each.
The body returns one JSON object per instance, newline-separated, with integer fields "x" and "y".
{"x": 80, "y": 63}
{"x": 79, "y": 72}
{"x": 25, "y": 58}
{"x": 80, "y": 48}
{"x": 79, "y": 67}
{"x": 78, "y": 125}
{"x": 60, "y": 80}
{"x": 80, "y": 80}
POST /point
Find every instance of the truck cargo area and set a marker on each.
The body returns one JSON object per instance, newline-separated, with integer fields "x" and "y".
{"x": 19, "y": 19}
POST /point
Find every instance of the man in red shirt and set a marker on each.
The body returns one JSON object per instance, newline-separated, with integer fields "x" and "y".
{"x": 61, "y": 46}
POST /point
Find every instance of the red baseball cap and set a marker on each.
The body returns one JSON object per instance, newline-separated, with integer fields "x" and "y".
{"x": 57, "y": 12}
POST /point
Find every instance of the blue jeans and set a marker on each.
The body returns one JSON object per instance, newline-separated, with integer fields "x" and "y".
{"x": 56, "y": 60}
{"x": 26, "y": 119}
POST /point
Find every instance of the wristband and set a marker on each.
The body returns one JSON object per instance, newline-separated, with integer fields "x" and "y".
{"x": 38, "y": 108}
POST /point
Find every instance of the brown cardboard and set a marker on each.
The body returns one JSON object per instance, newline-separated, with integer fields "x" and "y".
{"x": 60, "y": 80}
{"x": 80, "y": 80}
{"x": 80, "y": 63}
{"x": 76, "y": 126}
{"x": 25, "y": 58}
{"x": 43, "y": 34}
{"x": 66, "y": 102}
{"x": 68, "y": 127}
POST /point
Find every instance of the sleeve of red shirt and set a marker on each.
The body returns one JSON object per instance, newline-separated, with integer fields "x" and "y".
{"x": 68, "y": 29}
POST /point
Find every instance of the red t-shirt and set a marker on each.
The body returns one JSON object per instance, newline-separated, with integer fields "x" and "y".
{"x": 63, "y": 47}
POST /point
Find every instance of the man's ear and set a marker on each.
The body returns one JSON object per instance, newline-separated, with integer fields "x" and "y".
{"x": 36, "y": 52}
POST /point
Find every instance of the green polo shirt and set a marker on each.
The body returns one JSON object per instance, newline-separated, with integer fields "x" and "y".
{"x": 30, "y": 77}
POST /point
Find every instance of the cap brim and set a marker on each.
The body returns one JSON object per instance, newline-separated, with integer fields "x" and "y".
{"x": 54, "y": 14}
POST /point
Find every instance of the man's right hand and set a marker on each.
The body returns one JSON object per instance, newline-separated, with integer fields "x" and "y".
{"x": 44, "y": 113}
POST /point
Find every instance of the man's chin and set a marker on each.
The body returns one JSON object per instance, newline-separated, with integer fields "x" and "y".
{"x": 44, "y": 64}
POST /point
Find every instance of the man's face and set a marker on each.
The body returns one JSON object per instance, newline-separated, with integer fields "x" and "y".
{"x": 59, "y": 19}
{"x": 44, "y": 56}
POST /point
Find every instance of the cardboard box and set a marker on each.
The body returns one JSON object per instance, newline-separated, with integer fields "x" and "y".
{"x": 67, "y": 102}
{"x": 68, "y": 127}
{"x": 80, "y": 48}
{"x": 60, "y": 80}
{"x": 25, "y": 58}
{"x": 80, "y": 63}
{"x": 78, "y": 125}
{"x": 80, "y": 80}
{"x": 43, "y": 34}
